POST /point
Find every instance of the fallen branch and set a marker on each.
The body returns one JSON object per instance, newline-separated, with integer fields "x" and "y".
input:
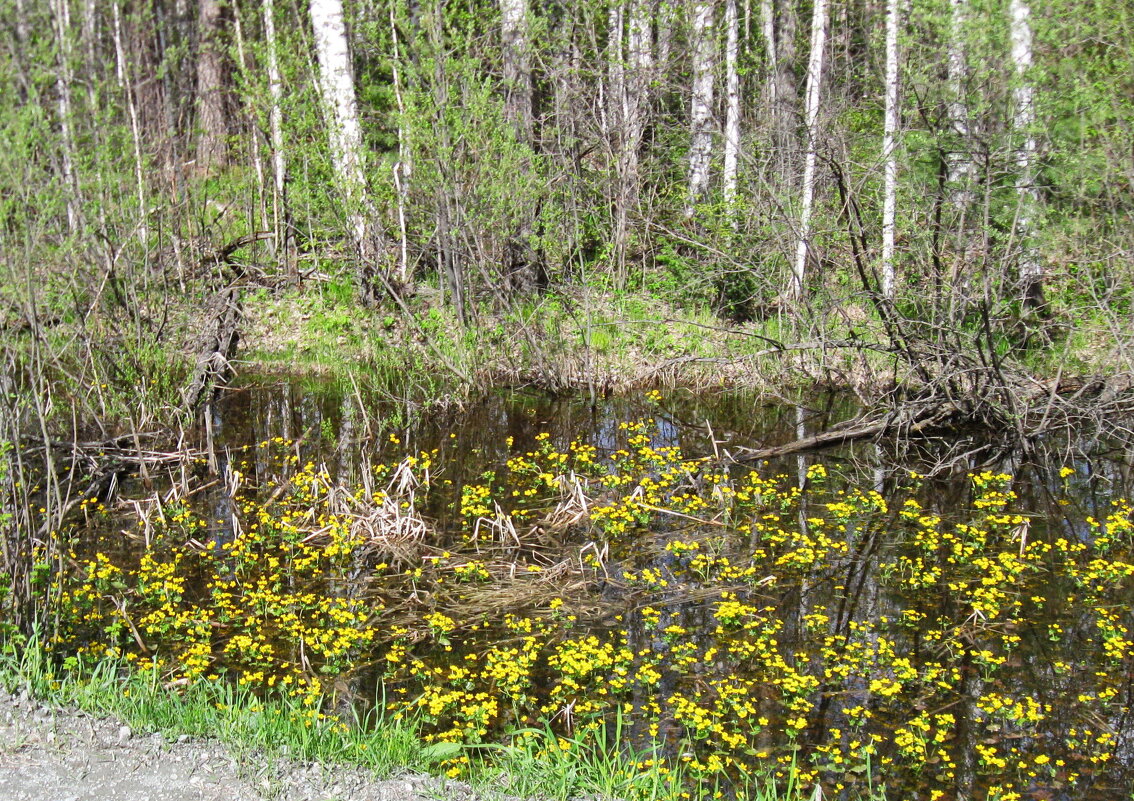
{"x": 933, "y": 419}
{"x": 218, "y": 348}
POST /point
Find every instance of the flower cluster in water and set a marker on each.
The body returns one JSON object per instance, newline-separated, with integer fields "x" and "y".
{"x": 744, "y": 622}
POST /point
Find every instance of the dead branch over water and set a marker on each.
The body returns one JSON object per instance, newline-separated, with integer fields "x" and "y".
{"x": 1009, "y": 410}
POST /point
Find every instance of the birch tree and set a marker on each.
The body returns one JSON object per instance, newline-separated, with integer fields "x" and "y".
{"x": 61, "y": 21}
{"x": 701, "y": 106}
{"x": 732, "y": 113}
{"x": 959, "y": 166}
{"x": 637, "y": 94}
{"x": 768, "y": 30}
{"x": 336, "y": 85}
{"x": 615, "y": 70}
{"x": 1023, "y": 124}
{"x": 630, "y": 110}
{"x": 811, "y": 106}
{"x": 126, "y": 85}
{"x": 403, "y": 167}
{"x": 889, "y": 148}
{"x": 517, "y": 72}
{"x": 281, "y": 218}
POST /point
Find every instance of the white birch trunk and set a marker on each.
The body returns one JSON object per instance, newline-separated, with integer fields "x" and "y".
{"x": 616, "y": 70}
{"x": 517, "y": 72}
{"x": 960, "y": 170}
{"x": 1023, "y": 123}
{"x": 90, "y": 40}
{"x": 634, "y": 103}
{"x": 135, "y": 128}
{"x": 889, "y": 149}
{"x": 281, "y": 224}
{"x": 701, "y": 107}
{"x": 637, "y": 84}
{"x": 336, "y": 84}
{"x": 403, "y": 168}
{"x": 811, "y": 109}
{"x": 768, "y": 28}
{"x": 732, "y": 114}
{"x": 61, "y": 18}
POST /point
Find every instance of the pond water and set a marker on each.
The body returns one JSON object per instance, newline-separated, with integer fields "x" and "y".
{"x": 549, "y": 563}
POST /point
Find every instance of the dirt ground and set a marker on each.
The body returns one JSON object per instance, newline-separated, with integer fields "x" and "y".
{"x": 49, "y": 754}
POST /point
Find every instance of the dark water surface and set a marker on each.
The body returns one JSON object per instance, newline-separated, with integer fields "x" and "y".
{"x": 994, "y": 661}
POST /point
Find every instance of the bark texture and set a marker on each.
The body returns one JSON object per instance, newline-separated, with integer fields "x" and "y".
{"x": 701, "y": 106}
{"x": 212, "y": 86}
{"x": 732, "y": 112}
{"x": 336, "y": 84}
{"x": 889, "y": 148}
{"x": 811, "y": 104}
{"x": 517, "y": 68}
{"x": 1028, "y": 264}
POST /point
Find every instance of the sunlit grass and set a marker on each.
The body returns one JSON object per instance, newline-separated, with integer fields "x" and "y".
{"x": 532, "y": 763}
{"x": 220, "y": 710}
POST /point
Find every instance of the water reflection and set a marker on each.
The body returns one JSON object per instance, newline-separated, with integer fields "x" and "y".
{"x": 871, "y": 599}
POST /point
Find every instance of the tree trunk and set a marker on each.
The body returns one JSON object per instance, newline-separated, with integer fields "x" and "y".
{"x": 768, "y": 29}
{"x": 90, "y": 42}
{"x": 889, "y": 149}
{"x": 811, "y": 103}
{"x": 732, "y": 115}
{"x": 403, "y": 168}
{"x": 212, "y": 87}
{"x": 253, "y": 130}
{"x": 960, "y": 169}
{"x": 636, "y": 103}
{"x": 61, "y": 19}
{"x": 664, "y": 16}
{"x": 1023, "y": 124}
{"x": 615, "y": 71}
{"x": 281, "y": 215}
{"x": 127, "y": 87}
{"x": 336, "y": 84}
{"x": 785, "y": 92}
{"x": 517, "y": 69}
{"x": 701, "y": 107}
{"x": 630, "y": 113}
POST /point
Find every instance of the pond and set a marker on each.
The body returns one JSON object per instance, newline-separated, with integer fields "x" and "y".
{"x": 535, "y": 562}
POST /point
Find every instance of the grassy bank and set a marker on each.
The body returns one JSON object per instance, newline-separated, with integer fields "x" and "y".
{"x": 536, "y": 764}
{"x": 117, "y": 375}
{"x": 592, "y": 339}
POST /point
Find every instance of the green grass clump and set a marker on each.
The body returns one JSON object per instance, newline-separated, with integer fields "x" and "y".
{"x": 533, "y": 763}
{"x": 223, "y": 710}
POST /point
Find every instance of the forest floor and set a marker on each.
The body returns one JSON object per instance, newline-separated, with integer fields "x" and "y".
{"x": 55, "y": 754}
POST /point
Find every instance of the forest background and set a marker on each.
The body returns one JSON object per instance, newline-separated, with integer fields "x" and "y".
{"x": 812, "y": 170}
{"x": 441, "y": 196}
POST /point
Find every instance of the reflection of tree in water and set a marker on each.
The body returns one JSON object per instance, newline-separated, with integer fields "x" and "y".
{"x": 848, "y": 588}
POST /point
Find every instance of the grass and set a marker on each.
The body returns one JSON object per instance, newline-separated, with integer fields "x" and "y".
{"x": 560, "y": 339}
{"x": 533, "y": 763}
{"x": 216, "y": 709}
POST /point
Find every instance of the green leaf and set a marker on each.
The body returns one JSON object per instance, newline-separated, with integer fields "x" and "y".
{"x": 439, "y": 752}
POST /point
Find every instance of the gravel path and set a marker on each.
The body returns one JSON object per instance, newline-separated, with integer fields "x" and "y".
{"x": 49, "y": 754}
